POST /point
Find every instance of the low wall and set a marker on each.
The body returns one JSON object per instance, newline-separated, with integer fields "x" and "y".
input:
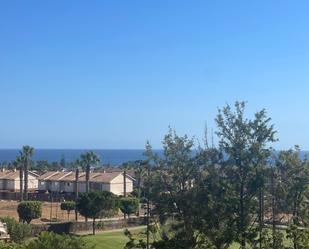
{"x": 80, "y": 226}
{"x": 38, "y": 196}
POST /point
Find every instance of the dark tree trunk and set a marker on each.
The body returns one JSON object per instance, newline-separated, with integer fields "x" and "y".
{"x": 26, "y": 179}
{"x": 76, "y": 189}
{"x": 93, "y": 226}
{"x": 148, "y": 209}
{"x": 261, "y": 215}
{"x": 21, "y": 183}
{"x": 138, "y": 195}
{"x": 87, "y": 182}
{"x": 273, "y": 203}
{"x": 124, "y": 188}
{"x": 124, "y": 183}
{"x": 242, "y": 218}
{"x": 87, "y": 178}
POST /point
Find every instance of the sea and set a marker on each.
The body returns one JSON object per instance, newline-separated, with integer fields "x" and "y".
{"x": 107, "y": 156}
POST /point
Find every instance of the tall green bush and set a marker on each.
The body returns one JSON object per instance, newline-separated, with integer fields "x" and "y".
{"x": 29, "y": 210}
{"x": 68, "y": 206}
{"x": 129, "y": 205}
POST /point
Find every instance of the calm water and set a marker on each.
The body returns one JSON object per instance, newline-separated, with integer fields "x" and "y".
{"x": 113, "y": 157}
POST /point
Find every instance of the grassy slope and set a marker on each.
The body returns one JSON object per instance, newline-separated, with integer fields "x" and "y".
{"x": 117, "y": 240}
{"x": 114, "y": 240}
{"x": 110, "y": 239}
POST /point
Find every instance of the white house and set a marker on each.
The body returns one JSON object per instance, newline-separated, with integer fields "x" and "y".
{"x": 65, "y": 182}
{"x": 10, "y": 180}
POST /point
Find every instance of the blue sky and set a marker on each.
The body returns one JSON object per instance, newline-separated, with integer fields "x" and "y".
{"x": 112, "y": 74}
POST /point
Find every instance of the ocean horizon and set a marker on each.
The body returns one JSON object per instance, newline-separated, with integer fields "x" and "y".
{"x": 107, "y": 156}
{"x": 114, "y": 157}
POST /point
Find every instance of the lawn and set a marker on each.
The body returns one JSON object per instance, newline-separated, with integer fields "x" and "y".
{"x": 117, "y": 239}
{"x": 110, "y": 239}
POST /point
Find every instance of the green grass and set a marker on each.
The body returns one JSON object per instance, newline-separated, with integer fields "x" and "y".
{"x": 109, "y": 239}
{"x": 117, "y": 239}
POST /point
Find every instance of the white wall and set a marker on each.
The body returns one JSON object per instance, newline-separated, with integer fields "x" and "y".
{"x": 32, "y": 182}
{"x": 117, "y": 184}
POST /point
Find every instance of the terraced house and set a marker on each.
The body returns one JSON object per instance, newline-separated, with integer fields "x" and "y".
{"x": 10, "y": 180}
{"x": 65, "y": 182}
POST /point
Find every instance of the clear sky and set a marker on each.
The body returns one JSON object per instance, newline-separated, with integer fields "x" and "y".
{"x": 112, "y": 74}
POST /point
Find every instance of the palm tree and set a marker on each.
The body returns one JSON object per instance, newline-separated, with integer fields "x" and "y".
{"x": 26, "y": 154}
{"x": 76, "y": 165}
{"x": 89, "y": 159}
{"x": 125, "y": 167}
{"x": 140, "y": 173}
{"x": 18, "y": 163}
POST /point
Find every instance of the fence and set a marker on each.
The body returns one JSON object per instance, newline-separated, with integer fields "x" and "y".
{"x": 38, "y": 196}
{"x": 75, "y": 227}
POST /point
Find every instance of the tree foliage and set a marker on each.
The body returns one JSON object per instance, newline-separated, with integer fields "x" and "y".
{"x": 96, "y": 204}
{"x": 88, "y": 160}
{"x": 129, "y": 205}
{"x": 49, "y": 240}
{"x": 68, "y": 206}
{"x": 29, "y": 210}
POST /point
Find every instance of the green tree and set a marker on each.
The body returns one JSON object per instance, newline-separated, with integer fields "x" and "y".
{"x": 29, "y": 210}
{"x": 129, "y": 205}
{"x": 212, "y": 204}
{"x": 68, "y": 206}
{"x": 25, "y": 155}
{"x": 88, "y": 160}
{"x": 140, "y": 171}
{"x": 242, "y": 140}
{"x": 169, "y": 186}
{"x": 293, "y": 173}
{"x": 76, "y": 164}
{"x": 96, "y": 204}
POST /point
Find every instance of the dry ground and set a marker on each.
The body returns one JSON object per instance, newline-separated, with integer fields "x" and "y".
{"x": 8, "y": 208}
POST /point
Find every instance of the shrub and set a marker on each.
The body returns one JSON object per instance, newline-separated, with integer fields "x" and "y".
{"x": 129, "y": 205}
{"x": 29, "y": 210}
{"x": 11, "y": 246}
{"x": 17, "y": 231}
{"x": 49, "y": 240}
{"x": 68, "y": 206}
